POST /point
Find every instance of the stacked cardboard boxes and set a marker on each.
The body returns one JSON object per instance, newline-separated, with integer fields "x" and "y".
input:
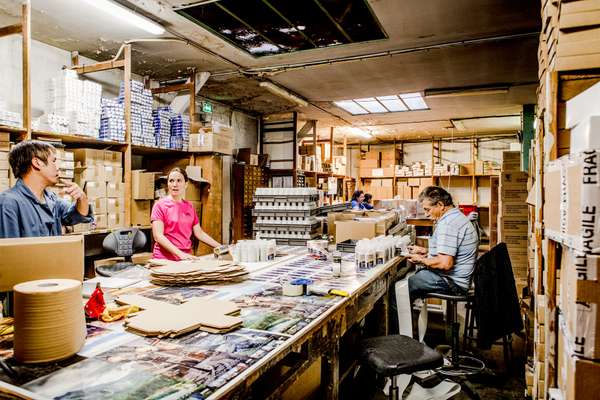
{"x": 378, "y": 163}
{"x": 97, "y": 172}
{"x": 410, "y": 188}
{"x": 142, "y": 194}
{"x": 4, "y": 165}
{"x": 513, "y": 212}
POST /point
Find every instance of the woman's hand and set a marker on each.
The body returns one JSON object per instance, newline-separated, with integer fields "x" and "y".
{"x": 417, "y": 250}
{"x": 185, "y": 256}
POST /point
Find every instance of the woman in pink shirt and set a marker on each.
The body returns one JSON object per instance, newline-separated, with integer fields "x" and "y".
{"x": 174, "y": 220}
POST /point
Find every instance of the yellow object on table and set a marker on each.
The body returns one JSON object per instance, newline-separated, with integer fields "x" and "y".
{"x": 115, "y": 313}
{"x": 6, "y": 326}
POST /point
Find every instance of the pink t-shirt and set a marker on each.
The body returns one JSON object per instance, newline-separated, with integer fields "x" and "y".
{"x": 179, "y": 219}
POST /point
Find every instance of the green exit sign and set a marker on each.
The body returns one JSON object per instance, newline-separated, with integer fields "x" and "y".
{"x": 206, "y": 107}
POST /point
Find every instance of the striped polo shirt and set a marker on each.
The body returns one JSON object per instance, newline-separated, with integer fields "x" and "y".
{"x": 454, "y": 235}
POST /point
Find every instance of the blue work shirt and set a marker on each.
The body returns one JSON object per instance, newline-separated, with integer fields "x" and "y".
{"x": 356, "y": 205}
{"x": 23, "y": 215}
{"x": 454, "y": 235}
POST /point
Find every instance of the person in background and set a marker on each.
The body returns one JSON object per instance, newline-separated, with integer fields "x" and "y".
{"x": 174, "y": 220}
{"x": 357, "y": 200}
{"x": 367, "y": 202}
{"x": 29, "y": 209}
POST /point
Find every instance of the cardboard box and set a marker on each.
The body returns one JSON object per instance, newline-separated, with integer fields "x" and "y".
{"x": 142, "y": 185}
{"x": 414, "y": 181}
{"x": 513, "y": 180}
{"x": 113, "y": 158}
{"x": 356, "y": 230}
{"x": 40, "y": 258}
{"x": 94, "y": 190}
{"x": 140, "y": 212}
{"x": 88, "y": 157}
{"x": 514, "y": 209}
{"x": 98, "y": 205}
{"x": 89, "y": 173}
{"x": 116, "y": 220}
{"x": 4, "y": 165}
{"x": 101, "y": 221}
{"x": 141, "y": 258}
{"x": 372, "y": 155}
{"x": 577, "y": 378}
{"x": 513, "y": 225}
{"x": 211, "y": 142}
{"x": 585, "y": 135}
{"x": 368, "y": 163}
{"x": 377, "y": 172}
{"x": 579, "y": 14}
{"x": 582, "y": 106}
{"x": 193, "y": 191}
{"x": 113, "y": 174}
{"x": 115, "y": 189}
{"x": 64, "y": 155}
{"x": 115, "y": 205}
{"x": 580, "y": 302}
{"x": 389, "y": 155}
{"x": 364, "y": 172}
{"x": 572, "y": 194}
{"x": 513, "y": 194}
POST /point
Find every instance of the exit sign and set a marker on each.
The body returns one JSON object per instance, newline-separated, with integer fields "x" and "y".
{"x": 206, "y": 107}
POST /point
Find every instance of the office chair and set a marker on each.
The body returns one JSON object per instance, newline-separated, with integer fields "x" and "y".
{"x": 124, "y": 243}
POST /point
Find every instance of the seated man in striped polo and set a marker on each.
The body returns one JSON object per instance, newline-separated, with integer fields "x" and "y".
{"x": 450, "y": 259}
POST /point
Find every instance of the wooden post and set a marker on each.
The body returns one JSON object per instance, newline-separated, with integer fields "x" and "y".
{"x": 193, "y": 97}
{"x": 331, "y": 144}
{"x": 294, "y": 148}
{"x": 550, "y": 323}
{"x": 26, "y": 34}
{"x": 128, "y": 139}
{"x": 314, "y": 131}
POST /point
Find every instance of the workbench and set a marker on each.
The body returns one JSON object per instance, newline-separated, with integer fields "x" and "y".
{"x": 281, "y": 338}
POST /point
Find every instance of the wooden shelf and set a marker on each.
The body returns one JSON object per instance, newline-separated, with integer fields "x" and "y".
{"x": 71, "y": 138}
{"x": 12, "y": 129}
{"x": 149, "y": 151}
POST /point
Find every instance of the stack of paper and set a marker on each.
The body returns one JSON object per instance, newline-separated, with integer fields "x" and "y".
{"x": 196, "y": 272}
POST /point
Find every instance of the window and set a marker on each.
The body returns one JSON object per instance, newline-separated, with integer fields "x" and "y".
{"x": 384, "y": 104}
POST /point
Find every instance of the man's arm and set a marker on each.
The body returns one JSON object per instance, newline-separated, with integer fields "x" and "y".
{"x": 9, "y": 219}
{"x": 440, "y": 261}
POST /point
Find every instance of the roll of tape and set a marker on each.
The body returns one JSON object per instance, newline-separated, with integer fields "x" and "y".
{"x": 290, "y": 289}
{"x": 49, "y": 320}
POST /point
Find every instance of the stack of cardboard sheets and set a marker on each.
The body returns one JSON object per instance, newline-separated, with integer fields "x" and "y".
{"x": 162, "y": 319}
{"x": 196, "y": 272}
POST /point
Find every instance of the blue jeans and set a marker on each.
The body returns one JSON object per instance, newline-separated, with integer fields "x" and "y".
{"x": 423, "y": 282}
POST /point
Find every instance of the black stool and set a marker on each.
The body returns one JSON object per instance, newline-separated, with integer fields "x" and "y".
{"x": 394, "y": 355}
{"x": 460, "y": 365}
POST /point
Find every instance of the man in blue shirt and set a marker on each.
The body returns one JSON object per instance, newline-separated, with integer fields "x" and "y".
{"x": 28, "y": 209}
{"x": 453, "y": 246}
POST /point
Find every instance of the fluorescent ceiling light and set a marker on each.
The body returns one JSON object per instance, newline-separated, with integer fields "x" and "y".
{"x": 442, "y": 93}
{"x": 383, "y": 104}
{"x": 283, "y": 93}
{"x": 126, "y": 15}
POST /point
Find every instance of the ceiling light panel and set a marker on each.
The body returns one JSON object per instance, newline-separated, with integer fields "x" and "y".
{"x": 372, "y": 105}
{"x": 414, "y": 101}
{"x": 351, "y": 106}
{"x": 384, "y": 104}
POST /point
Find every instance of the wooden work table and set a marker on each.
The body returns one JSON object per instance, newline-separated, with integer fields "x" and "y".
{"x": 321, "y": 339}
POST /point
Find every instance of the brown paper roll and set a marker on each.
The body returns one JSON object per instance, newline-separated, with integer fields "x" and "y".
{"x": 49, "y": 320}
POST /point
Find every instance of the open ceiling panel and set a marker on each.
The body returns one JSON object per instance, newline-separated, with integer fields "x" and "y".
{"x": 269, "y": 27}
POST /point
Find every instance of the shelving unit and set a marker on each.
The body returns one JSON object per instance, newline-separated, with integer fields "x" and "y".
{"x": 123, "y": 63}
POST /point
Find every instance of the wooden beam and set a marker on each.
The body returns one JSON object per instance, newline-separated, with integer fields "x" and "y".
{"x": 550, "y": 322}
{"x": 11, "y": 30}
{"x": 127, "y": 155}
{"x": 101, "y": 66}
{"x": 26, "y": 33}
{"x": 331, "y": 144}
{"x": 173, "y": 88}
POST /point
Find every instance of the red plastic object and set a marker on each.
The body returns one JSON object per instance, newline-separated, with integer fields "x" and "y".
{"x": 467, "y": 209}
{"x": 95, "y": 305}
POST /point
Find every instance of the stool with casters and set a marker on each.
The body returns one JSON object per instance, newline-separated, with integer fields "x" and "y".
{"x": 394, "y": 355}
